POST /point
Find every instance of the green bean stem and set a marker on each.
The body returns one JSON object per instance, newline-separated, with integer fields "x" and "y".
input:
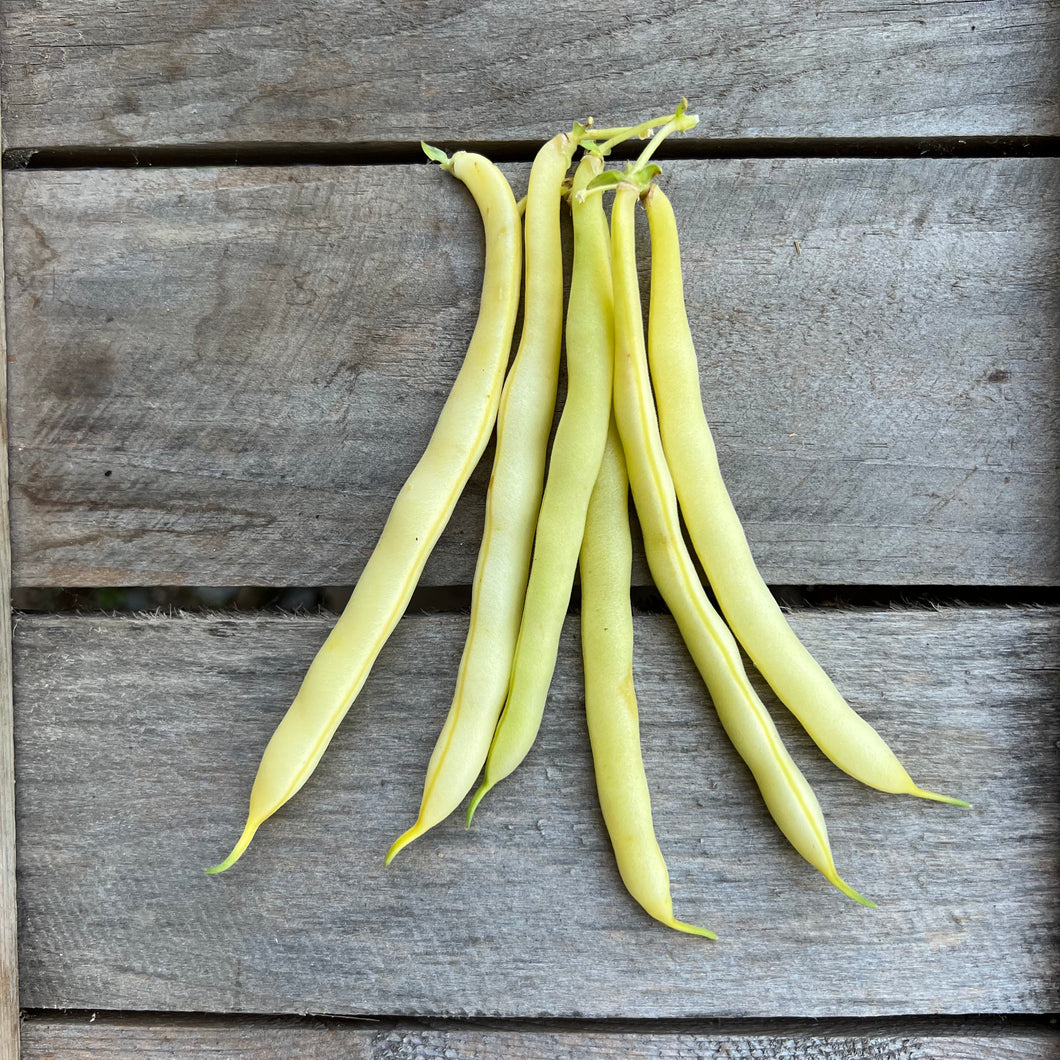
{"x": 713, "y": 648}
{"x": 575, "y": 459}
{"x": 610, "y": 697}
{"x": 679, "y": 121}
{"x": 420, "y": 512}
{"x": 512, "y": 502}
{"x": 719, "y": 540}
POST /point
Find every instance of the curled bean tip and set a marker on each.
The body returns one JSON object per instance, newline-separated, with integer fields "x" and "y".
{"x": 476, "y": 799}
{"x": 237, "y": 850}
{"x": 399, "y": 844}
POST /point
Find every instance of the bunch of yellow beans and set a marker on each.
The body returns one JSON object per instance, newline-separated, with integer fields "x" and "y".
{"x": 632, "y": 422}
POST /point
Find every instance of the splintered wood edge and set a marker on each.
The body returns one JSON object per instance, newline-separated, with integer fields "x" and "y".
{"x": 9, "y": 1013}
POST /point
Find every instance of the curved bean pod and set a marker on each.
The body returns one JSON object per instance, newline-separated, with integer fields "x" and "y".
{"x": 713, "y": 648}
{"x": 420, "y": 512}
{"x": 610, "y": 698}
{"x": 719, "y": 540}
{"x": 577, "y": 449}
{"x": 524, "y": 421}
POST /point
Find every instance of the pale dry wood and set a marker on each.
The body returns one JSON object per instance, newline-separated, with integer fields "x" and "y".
{"x": 222, "y": 376}
{"x": 9, "y": 1011}
{"x": 114, "y": 73}
{"x": 138, "y": 737}
{"x": 47, "y": 1038}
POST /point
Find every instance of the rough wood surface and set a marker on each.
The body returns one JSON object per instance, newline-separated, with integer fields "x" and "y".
{"x": 137, "y": 739}
{"x": 222, "y": 376}
{"x": 74, "y": 1038}
{"x": 8, "y": 910}
{"x": 112, "y": 73}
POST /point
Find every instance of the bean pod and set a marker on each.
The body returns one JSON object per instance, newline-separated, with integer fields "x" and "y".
{"x": 721, "y": 544}
{"x": 419, "y": 514}
{"x": 713, "y": 648}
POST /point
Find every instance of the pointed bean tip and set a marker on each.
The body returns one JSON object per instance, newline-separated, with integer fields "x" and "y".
{"x": 215, "y": 870}
{"x": 401, "y": 842}
{"x": 237, "y": 851}
{"x": 934, "y": 796}
{"x": 851, "y": 893}
{"x": 693, "y": 929}
{"x": 476, "y": 799}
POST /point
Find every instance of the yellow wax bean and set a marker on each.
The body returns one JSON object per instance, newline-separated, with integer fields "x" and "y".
{"x": 719, "y": 540}
{"x": 712, "y": 646}
{"x": 420, "y": 512}
{"x": 610, "y": 698}
{"x": 523, "y": 424}
{"x": 575, "y": 459}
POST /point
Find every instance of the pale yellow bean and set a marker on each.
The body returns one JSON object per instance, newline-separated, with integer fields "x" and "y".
{"x": 721, "y": 544}
{"x": 512, "y": 502}
{"x": 573, "y": 463}
{"x": 713, "y": 648}
{"x": 610, "y": 697}
{"x": 420, "y": 513}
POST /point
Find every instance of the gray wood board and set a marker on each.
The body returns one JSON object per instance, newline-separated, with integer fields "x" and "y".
{"x": 110, "y": 73}
{"x": 137, "y": 740}
{"x": 45, "y": 1038}
{"x": 222, "y": 376}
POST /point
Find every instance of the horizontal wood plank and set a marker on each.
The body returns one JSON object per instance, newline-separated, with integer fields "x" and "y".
{"x": 109, "y": 73}
{"x": 146, "y": 1038}
{"x": 137, "y": 739}
{"x": 222, "y": 376}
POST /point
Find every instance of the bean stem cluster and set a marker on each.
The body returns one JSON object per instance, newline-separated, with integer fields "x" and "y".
{"x": 633, "y": 422}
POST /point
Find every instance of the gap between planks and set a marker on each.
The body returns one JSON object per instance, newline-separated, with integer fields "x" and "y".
{"x": 80, "y": 156}
{"x": 446, "y": 599}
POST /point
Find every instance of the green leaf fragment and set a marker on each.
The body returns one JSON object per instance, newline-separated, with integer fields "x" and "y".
{"x": 435, "y": 154}
{"x": 608, "y": 179}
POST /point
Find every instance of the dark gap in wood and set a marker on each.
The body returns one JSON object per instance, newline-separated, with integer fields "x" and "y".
{"x": 846, "y": 1027}
{"x": 132, "y": 598}
{"x": 915, "y": 596}
{"x": 369, "y": 153}
{"x": 883, "y": 597}
{"x": 457, "y": 598}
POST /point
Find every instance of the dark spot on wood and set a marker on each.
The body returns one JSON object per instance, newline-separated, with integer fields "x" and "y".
{"x": 86, "y": 374}
{"x": 107, "y": 473}
{"x": 999, "y": 375}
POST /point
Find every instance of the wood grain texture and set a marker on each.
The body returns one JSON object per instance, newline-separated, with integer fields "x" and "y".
{"x": 47, "y": 1038}
{"x": 222, "y": 376}
{"x": 113, "y": 73}
{"x": 137, "y": 740}
{"x": 9, "y": 1011}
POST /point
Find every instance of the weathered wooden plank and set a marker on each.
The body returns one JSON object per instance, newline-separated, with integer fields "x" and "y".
{"x": 9, "y": 1012}
{"x": 137, "y": 740}
{"x": 111, "y": 73}
{"x": 115, "y": 1039}
{"x": 222, "y": 376}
